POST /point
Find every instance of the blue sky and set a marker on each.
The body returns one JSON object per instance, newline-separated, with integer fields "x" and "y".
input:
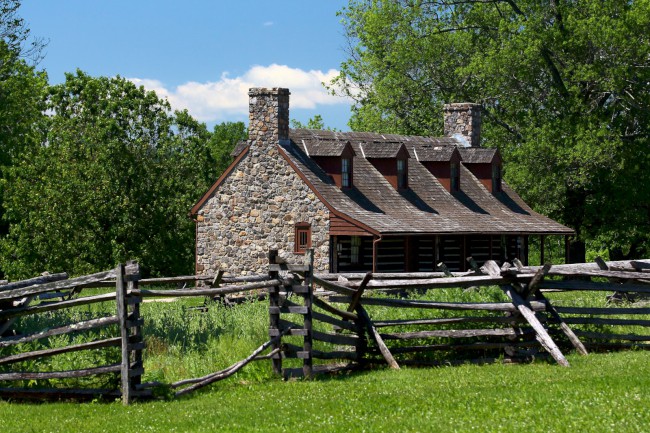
{"x": 202, "y": 55}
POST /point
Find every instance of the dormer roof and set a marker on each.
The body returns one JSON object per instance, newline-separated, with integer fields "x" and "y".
{"x": 332, "y": 148}
{"x": 479, "y": 155}
{"x": 433, "y": 152}
{"x": 383, "y": 150}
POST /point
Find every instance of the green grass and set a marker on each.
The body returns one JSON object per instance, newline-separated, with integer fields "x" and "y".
{"x": 601, "y": 392}
{"x": 598, "y": 393}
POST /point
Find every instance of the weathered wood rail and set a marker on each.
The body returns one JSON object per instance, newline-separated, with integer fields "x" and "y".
{"x": 325, "y": 323}
{"x": 528, "y": 324}
{"x": 49, "y": 293}
{"x": 56, "y": 292}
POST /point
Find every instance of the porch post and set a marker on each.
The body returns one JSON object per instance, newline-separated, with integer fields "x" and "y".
{"x": 541, "y": 250}
{"x": 374, "y": 253}
{"x": 567, "y": 248}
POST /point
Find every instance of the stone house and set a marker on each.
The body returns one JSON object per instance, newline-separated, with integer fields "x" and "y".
{"x": 363, "y": 201}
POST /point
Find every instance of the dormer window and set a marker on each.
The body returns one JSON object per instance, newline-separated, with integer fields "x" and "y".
{"x": 334, "y": 156}
{"x": 485, "y": 165}
{"x": 346, "y": 173}
{"x": 454, "y": 177}
{"x": 496, "y": 177}
{"x": 402, "y": 175}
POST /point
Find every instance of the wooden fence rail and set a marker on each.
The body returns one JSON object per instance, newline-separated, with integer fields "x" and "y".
{"x": 317, "y": 319}
{"x": 528, "y": 323}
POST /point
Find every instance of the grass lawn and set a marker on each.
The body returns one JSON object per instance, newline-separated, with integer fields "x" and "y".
{"x": 599, "y": 393}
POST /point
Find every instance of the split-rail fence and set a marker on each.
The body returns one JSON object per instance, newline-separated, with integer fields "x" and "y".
{"x": 325, "y": 321}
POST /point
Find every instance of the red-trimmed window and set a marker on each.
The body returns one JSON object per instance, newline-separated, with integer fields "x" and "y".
{"x": 346, "y": 173}
{"x": 454, "y": 181}
{"x": 303, "y": 238}
{"x": 496, "y": 177}
{"x": 402, "y": 177}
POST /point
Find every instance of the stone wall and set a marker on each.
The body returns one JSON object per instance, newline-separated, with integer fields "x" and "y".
{"x": 258, "y": 204}
{"x": 465, "y": 119}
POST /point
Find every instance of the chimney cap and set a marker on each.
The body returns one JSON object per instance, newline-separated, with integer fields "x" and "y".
{"x": 255, "y": 91}
{"x": 460, "y": 106}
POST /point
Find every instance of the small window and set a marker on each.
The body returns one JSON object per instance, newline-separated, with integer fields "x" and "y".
{"x": 345, "y": 173}
{"x": 303, "y": 238}
{"x": 401, "y": 174}
{"x": 496, "y": 178}
{"x": 354, "y": 249}
{"x": 454, "y": 178}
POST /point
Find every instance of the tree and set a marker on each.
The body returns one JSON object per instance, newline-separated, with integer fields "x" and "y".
{"x": 113, "y": 180}
{"x": 16, "y": 35}
{"x": 222, "y": 141}
{"x": 22, "y": 88}
{"x": 315, "y": 122}
{"x": 564, "y": 85}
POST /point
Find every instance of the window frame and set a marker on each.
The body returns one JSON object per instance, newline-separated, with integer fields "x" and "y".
{"x": 346, "y": 175}
{"x": 454, "y": 177}
{"x": 302, "y": 228}
{"x": 402, "y": 175}
{"x": 497, "y": 177}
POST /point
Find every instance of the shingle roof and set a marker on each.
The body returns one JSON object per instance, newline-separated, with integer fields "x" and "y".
{"x": 239, "y": 148}
{"x": 426, "y": 207}
{"x": 324, "y": 147}
{"x": 380, "y": 149}
{"x": 477, "y": 155}
{"x": 431, "y": 152}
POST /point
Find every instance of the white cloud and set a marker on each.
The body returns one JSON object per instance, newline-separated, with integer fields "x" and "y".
{"x": 268, "y": 24}
{"x": 228, "y": 97}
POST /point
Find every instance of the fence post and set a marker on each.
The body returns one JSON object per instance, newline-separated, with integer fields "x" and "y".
{"x": 309, "y": 299}
{"x": 134, "y": 322}
{"x": 128, "y": 313}
{"x": 274, "y": 313}
{"x": 120, "y": 296}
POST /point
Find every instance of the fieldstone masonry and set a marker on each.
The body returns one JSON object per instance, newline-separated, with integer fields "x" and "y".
{"x": 465, "y": 119}
{"x": 257, "y": 205}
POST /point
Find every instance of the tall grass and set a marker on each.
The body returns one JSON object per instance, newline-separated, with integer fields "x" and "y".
{"x": 185, "y": 339}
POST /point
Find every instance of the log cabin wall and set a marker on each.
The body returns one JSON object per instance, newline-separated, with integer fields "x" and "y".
{"x": 351, "y": 253}
{"x": 392, "y": 254}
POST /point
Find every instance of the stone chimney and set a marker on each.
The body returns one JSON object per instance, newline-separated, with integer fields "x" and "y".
{"x": 463, "y": 119}
{"x": 268, "y": 116}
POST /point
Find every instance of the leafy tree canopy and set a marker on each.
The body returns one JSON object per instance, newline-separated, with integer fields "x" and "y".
{"x": 315, "y": 122}
{"x": 113, "y": 180}
{"x": 564, "y": 84}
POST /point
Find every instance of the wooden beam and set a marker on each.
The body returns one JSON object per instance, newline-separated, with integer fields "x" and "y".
{"x": 357, "y": 296}
{"x": 407, "y": 303}
{"x": 330, "y": 309}
{"x": 80, "y": 326}
{"x": 85, "y": 281}
{"x": 206, "y": 292}
{"x": 491, "y": 268}
{"x": 109, "y": 342}
{"x": 122, "y": 313}
{"x": 531, "y": 287}
{"x": 372, "y": 331}
{"x": 573, "y": 338}
{"x": 542, "y": 335}
{"x": 113, "y": 368}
